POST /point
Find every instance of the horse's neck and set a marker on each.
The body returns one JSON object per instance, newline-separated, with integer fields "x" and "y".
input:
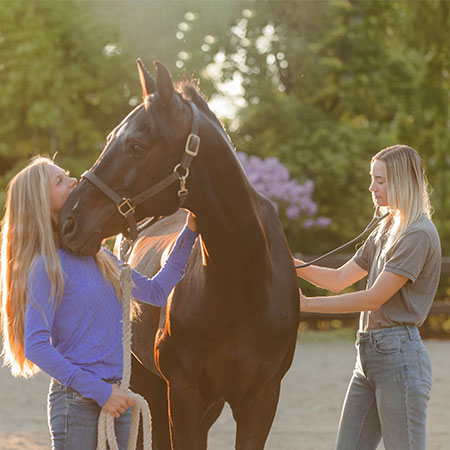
{"x": 231, "y": 246}
{"x": 233, "y": 234}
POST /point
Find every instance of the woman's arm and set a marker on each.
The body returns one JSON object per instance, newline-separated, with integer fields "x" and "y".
{"x": 386, "y": 285}
{"x": 39, "y": 350}
{"x": 334, "y": 280}
{"x": 156, "y": 290}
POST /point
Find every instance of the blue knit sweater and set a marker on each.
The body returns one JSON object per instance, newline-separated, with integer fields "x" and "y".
{"x": 79, "y": 341}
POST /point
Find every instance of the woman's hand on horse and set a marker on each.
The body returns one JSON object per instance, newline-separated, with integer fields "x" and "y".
{"x": 118, "y": 402}
{"x": 191, "y": 222}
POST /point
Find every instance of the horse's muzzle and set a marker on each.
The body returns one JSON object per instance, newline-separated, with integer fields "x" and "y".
{"x": 70, "y": 238}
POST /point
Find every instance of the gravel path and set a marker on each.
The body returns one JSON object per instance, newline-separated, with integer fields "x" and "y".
{"x": 307, "y": 416}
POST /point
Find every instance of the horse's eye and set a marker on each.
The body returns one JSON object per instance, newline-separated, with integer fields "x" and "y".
{"x": 137, "y": 148}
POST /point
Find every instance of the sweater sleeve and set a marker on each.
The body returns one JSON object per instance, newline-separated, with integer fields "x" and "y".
{"x": 156, "y": 290}
{"x": 39, "y": 318}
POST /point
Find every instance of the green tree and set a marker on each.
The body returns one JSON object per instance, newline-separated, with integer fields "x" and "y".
{"x": 172, "y": 32}
{"x": 325, "y": 85}
{"x": 426, "y": 122}
{"x": 68, "y": 70}
{"x": 63, "y": 83}
{"x": 328, "y": 84}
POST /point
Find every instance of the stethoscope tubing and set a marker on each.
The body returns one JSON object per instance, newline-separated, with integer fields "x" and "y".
{"x": 376, "y": 219}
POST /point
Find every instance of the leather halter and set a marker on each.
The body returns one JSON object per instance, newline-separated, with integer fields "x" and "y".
{"x": 126, "y": 206}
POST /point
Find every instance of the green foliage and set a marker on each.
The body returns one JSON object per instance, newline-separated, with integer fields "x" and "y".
{"x": 68, "y": 72}
{"x": 60, "y": 85}
{"x": 328, "y": 84}
{"x": 170, "y": 31}
{"x": 427, "y": 122}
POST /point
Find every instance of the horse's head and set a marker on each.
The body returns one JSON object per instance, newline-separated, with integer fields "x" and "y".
{"x": 140, "y": 152}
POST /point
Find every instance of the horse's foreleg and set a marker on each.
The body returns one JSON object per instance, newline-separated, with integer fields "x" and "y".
{"x": 154, "y": 390}
{"x": 186, "y": 411}
{"x": 208, "y": 420}
{"x": 255, "y": 418}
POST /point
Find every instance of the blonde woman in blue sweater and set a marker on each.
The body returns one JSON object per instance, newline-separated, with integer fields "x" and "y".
{"x": 61, "y": 312}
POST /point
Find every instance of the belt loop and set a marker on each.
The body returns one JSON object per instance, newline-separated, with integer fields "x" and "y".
{"x": 408, "y": 331}
{"x": 371, "y": 338}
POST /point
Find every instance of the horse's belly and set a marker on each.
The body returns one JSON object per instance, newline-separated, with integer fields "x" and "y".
{"x": 233, "y": 368}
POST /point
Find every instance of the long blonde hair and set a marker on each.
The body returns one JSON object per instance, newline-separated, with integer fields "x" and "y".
{"x": 407, "y": 189}
{"x": 28, "y": 231}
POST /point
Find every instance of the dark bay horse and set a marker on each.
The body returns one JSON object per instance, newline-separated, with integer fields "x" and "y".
{"x": 229, "y": 329}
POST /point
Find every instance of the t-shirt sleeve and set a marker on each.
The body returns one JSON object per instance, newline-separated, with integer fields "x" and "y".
{"x": 39, "y": 317}
{"x": 408, "y": 255}
{"x": 362, "y": 257}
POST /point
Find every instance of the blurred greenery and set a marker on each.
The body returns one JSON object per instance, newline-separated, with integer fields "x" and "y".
{"x": 325, "y": 85}
{"x": 328, "y": 84}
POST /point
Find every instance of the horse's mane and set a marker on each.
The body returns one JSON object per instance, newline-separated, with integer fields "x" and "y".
{"x": 188, "y": 92}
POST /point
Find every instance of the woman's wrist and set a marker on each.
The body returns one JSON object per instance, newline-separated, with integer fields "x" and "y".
{"x": 305, "y": 304}
{"x": 298, "y": 262}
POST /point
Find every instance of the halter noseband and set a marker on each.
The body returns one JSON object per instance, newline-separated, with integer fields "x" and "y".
{"x": 126, "y": 206}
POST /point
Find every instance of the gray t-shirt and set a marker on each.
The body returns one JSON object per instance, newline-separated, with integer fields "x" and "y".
{"x": 416, "y": 255}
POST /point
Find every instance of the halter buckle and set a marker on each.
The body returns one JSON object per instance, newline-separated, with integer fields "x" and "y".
{"x": 192, "y": 145}
{"x": 126, "y": 202}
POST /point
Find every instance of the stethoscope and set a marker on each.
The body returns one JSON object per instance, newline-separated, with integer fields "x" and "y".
{"x": 376, "y": 219}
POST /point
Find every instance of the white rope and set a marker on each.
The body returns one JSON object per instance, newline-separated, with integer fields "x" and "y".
{"x": 106, "y": 435}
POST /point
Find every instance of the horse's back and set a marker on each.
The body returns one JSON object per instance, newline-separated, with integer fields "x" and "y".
{"x": 155, "y": 243}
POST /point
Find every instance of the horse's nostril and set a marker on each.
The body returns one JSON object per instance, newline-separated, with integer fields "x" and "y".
{"x": 68, "y": 227}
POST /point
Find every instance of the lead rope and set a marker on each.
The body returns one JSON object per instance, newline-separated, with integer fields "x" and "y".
{"x": 106, "y": 435}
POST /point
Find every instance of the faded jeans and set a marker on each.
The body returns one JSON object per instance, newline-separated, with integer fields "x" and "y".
{"x": 73, "y": 420}
{"x": 388, "y": 393}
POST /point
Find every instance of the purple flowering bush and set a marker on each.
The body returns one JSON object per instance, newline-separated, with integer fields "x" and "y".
{"x": 271, "y": 178}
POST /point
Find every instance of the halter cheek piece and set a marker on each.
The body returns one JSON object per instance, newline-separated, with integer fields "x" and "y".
{"x": 126, "y": 206}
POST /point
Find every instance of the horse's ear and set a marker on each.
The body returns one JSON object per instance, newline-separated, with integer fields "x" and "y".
{"x": 148, "y": 83}
{"x": 164, "y": 83}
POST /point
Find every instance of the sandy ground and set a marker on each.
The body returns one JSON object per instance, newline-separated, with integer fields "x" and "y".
{"x": 307, "y": 416}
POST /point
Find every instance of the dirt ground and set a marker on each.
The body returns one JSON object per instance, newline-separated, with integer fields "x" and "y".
{"x": 307, "y": 416}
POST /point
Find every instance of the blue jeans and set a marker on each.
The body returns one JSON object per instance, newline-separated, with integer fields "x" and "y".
{"x": 73, "y": 420}
{"x": 388, "y": 393}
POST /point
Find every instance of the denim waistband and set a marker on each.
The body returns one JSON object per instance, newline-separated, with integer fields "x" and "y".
{"x": 410, "y": 331}
{"x": 56, "y": 383}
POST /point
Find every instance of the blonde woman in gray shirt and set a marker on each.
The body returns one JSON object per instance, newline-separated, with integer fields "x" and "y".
{"x": 388, "y": 393}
